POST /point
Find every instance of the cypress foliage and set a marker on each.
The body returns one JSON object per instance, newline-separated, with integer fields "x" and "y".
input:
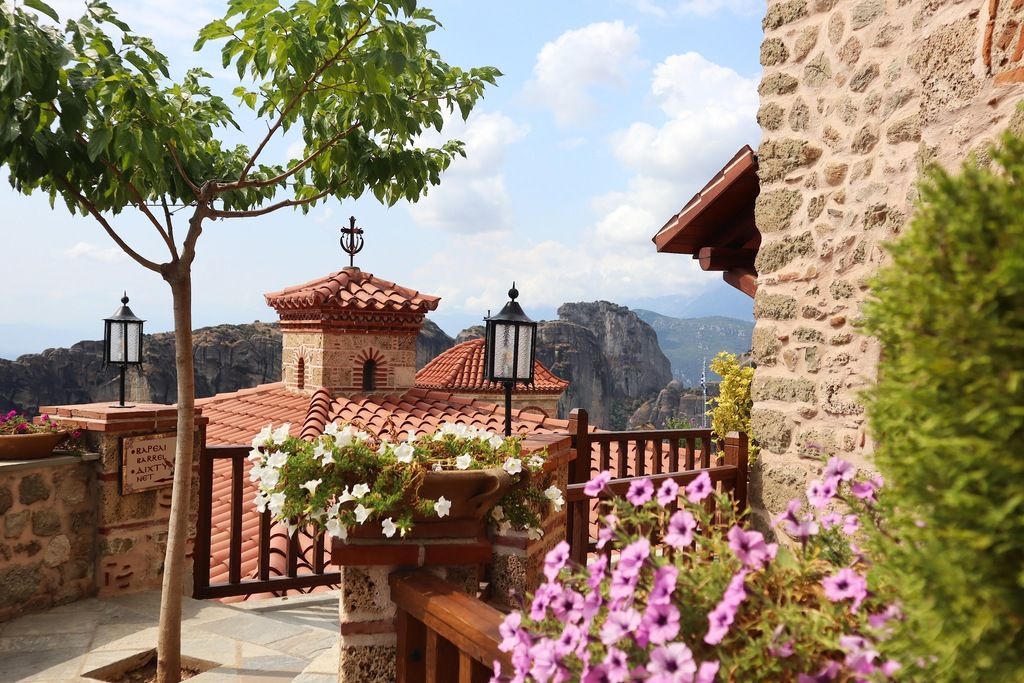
{"x": 948, "y": 413}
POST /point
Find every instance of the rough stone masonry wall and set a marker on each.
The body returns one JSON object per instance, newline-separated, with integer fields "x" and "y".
{"x": 47, "y": 533}
{"x": 856, "y": 96}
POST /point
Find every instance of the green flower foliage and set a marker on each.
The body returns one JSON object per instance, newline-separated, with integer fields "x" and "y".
{"x": 730, "y": 410}
{"x": 348, "y": 477}
{"x": 948, "y": 413}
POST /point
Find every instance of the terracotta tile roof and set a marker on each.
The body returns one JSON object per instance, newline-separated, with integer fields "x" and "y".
{"x": 461, "y": 368}
{"x": 235, "y": 418}
{"x": 352, "y": 289}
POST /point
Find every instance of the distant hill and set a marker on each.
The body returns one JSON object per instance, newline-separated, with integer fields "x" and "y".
{"x": 687, "y": 341}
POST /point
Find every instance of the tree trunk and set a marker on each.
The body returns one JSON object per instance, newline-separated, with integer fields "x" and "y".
{"x": 169, "y": 638}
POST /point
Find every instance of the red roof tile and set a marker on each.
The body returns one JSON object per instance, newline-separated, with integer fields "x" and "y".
{"x": 461, "y": 368}
{"x": 352, "y": 289}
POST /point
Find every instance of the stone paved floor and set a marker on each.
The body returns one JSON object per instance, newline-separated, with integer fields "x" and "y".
{"x": 266, "y": 641}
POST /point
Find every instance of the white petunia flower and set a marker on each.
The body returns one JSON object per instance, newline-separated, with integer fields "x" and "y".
{"x": 255, "y": 455}
{"x": 554, "y": 494}
{"x": 336, "y": 529}
{"x": 383, "y": 448}
{"x": 269, "y": 477}
{"x": 534, "y": 534}
{"x": 322, "y": 453}
{"x": 536, "y": 462}
{"x": 256, "y": 473}
{"x": 276, "y": 503}
{"x": 346, "y": 496}
{"x": 437, "y": 467}
{"x": 331, "y": 430}
{"x": 513, "y": 466}
{"x": 311, "y": 485}
{"x": 360, "y": 490}
{"x": 463, "y": 461}
{"x": 281, "y": 433}
{"x": 404, "y": 453}
{"x": 410, "y": 435}
{"x": 361, "y": 512}
{"x": 498, "y": 513}
{"x": 346, "y": 437}
{"x": 290, "y": 528}
{"x": 332, "y": 511}
{"x": 277, "y": 459}
{"x": 442, "y": 506}
{"x": 261, "y": 502}
{"x": 262, "y": 438}
{"x": 388, "y": 527}
{"x": 504, "y": 527}
{"x": 495, "y": 441}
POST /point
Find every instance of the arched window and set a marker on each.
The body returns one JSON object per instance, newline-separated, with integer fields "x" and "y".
{"x": 369, "y": 375}
{"x": 300, "y": 373}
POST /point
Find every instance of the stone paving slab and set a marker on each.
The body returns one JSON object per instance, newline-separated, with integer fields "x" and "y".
{"x": 266, "y": 642}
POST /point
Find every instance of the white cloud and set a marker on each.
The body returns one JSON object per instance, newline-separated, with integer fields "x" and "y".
{"x": 91, "y": 252}
{"x": 711, "y": 112}
{"x": 472, "y": 196}
{"x": 569, "y": 66}
{"x": 572, "y": 143}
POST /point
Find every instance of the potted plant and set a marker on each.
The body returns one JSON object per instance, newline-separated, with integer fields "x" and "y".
{"x": 351, "y": 480}
{"x": 21, "y": 439}
{"x": 688, "y": 597}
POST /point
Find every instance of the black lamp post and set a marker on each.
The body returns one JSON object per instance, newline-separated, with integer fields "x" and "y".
{"x": 122, "y": 341}
{"x": 510, "y": 350}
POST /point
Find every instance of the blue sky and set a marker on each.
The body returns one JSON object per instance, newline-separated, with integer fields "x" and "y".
{"x": 611, "y": 114}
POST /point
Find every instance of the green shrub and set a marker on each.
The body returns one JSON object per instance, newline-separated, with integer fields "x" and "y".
{"x": 948, "y": 413}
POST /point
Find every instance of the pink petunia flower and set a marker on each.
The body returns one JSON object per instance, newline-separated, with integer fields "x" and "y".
{"x": 750, "y": 548}
{"x": 607, "y": 532}
{"x": 846, "y": 584}
{"x": 840, "y": 469}
{"x": 660, "y": 623}
{"x": 596, "y": 570}
{"x": 640, "y": 491}
{"x": 707, "y": 672}
{"x": 851, "y": 523}
{"x": 719, "y": 621}
{"x": 700, "y": 488}
{"x": 820, "y": 493}
{"x": 616, "y": 665}
{"x": 831, "y": 519}
{"x": 597, "y": 484}
{"x": 555, "y": 560}
{"x": 668, "y": 492}
{"x": 672, "y": 663}
{"x": 620, "y": 625}
{"x": 681, "y": 526}
{"x": 664, "y": 585}
{"x": 568, "y": 607}
{"x": 826, "y": 675}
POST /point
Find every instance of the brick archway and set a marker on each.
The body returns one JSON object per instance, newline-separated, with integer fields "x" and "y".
{"x": 367, "y": 359}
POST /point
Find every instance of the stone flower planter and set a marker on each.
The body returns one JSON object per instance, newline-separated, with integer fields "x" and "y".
{"x": 29, "y": 446}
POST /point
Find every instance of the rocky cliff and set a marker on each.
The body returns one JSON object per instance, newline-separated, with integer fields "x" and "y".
{"x": 674, "y": 401}
{"x": 610, "y": 357}
{"x": 227, "y": 358}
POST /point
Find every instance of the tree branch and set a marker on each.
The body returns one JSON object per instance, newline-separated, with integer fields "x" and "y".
{"x": 241, "y": 183}
{"x": 302, "y": 91}
{"x": 214, "y": 213}
{"x": 167, "y": 218}
{"x": 94, "y": 212}
{"x": 181, "y": 170}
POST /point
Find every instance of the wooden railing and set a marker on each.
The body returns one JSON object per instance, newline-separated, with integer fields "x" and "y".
{"x": 301, "y": 564}
{"x": 679, "y": 454}
{"x": 444, "y": 635}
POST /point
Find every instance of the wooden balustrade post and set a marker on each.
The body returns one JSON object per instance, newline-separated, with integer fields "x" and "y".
{"x": 578, "y": 520}
{"x": 736, "y": 453}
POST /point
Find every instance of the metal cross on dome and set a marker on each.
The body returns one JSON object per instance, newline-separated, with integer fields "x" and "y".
{"x": 351, "y": 241}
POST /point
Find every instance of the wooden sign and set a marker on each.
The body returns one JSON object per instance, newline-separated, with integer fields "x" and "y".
{"x": 147, "y": 462}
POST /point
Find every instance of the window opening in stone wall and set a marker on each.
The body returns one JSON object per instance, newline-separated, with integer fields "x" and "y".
{"x": 369, "y": 375}
{"x": 300, "y": 374}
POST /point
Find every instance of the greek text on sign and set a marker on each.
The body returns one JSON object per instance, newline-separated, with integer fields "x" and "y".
{"x": 147, "y": 462}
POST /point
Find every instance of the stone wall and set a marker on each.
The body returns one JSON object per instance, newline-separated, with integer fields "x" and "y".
{"x": 48, "y": 534}
{"x": 856, "y": 96}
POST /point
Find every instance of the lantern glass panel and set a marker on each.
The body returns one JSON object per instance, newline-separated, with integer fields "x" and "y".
{"x": 504, "y": 350}
{"x": 117, "y": 342}
{"x": 134, "y": 345}
{"x": 524, "y": 370}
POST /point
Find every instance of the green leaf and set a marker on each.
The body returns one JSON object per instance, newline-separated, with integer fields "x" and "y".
{"x": 98, "y": 142}
{"x": 40, "y": 6}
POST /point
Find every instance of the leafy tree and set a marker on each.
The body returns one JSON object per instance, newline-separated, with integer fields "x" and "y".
{"x": 948, "y": 413}
{"x": 730, "y": 410}
{"x": 90, "y": 115}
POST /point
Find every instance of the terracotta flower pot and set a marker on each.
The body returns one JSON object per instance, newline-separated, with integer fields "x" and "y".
{"x": 29, "y": 446}
{"x": 472, "y": 492}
